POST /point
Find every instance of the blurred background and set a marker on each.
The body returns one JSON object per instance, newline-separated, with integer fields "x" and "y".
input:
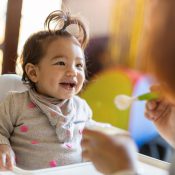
{"x": 113, "y": 54}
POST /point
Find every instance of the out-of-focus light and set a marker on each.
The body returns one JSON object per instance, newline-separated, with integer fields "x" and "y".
{"x": 3, "y": 10}
{"x": 33, "y": 17}
{"x": 1, "y": 59}
{"x": 33, "y": 22}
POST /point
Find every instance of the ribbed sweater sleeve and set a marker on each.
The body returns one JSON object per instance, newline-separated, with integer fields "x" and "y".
{"x": 6, "y": 119}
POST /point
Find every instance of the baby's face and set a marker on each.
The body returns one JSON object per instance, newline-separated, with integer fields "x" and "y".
{"x": 60, "y": 73}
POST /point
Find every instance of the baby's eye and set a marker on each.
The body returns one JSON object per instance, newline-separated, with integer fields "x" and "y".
{"x": 80, "y": 65}
{"x": 61, "y": 63}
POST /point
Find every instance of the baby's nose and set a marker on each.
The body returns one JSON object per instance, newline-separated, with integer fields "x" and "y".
{"x": 71, "y": 71}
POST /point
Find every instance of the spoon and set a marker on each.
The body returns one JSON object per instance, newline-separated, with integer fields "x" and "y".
{"x": 122, "y": 102}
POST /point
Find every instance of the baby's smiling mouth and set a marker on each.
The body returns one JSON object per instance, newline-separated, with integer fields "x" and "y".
{"x": 68, "y": 85}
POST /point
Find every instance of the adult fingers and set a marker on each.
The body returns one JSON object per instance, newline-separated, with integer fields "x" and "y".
{"x": 164, "y": 113}
{"x": 93, "y": 134}
{"x": 162, "y": 107}
{"x": 163, "y": 110}
{"x": 85, "y": 143}
{"x": 152, "y": 105}
{"x": 155, "y": 88}
{"x": 86, "y": 155}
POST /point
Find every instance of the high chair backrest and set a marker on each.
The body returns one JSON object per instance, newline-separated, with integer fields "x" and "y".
{"x": 10, "y": 82}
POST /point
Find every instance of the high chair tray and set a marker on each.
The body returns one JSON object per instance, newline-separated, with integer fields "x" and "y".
{"x": 146, "y": 165}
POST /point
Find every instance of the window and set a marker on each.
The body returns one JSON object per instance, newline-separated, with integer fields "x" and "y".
{"x": 33, "y": 16}
{"x": 3, "y": 9}
{"x": 32, "y": 20}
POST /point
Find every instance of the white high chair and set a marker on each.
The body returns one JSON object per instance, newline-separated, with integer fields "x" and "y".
{"x": 10, "y": 82}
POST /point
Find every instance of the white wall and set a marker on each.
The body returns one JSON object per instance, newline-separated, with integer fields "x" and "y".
{"x": 97, "y": 13}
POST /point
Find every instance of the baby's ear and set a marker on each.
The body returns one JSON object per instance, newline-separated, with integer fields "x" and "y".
{"x": 32, "y": 72}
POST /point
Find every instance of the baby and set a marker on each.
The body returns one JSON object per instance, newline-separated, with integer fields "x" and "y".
{"x": 42, "y": 127}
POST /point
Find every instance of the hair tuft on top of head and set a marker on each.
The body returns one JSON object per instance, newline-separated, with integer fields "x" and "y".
{"x": 59, "y": 22}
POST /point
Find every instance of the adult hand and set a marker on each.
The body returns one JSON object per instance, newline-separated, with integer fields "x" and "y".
{"x": 109, "y": 153}
{"x": 162, "y": 113}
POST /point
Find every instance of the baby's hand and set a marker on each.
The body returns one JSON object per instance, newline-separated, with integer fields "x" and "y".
{"x": 6, "y": 158}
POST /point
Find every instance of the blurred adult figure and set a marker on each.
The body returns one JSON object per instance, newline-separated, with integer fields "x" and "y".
{"x": 158, "y": 53}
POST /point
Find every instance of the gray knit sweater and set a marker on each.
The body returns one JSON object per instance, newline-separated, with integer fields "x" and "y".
{"x": 27, "y": 130}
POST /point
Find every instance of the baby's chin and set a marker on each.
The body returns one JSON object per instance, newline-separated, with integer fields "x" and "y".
{"x": 65, "y": 97}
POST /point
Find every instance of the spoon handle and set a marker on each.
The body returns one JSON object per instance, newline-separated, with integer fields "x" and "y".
{"x": 148, "y": 96}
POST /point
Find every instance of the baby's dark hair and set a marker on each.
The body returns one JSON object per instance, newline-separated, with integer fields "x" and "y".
{"x": 36, "y": 45}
